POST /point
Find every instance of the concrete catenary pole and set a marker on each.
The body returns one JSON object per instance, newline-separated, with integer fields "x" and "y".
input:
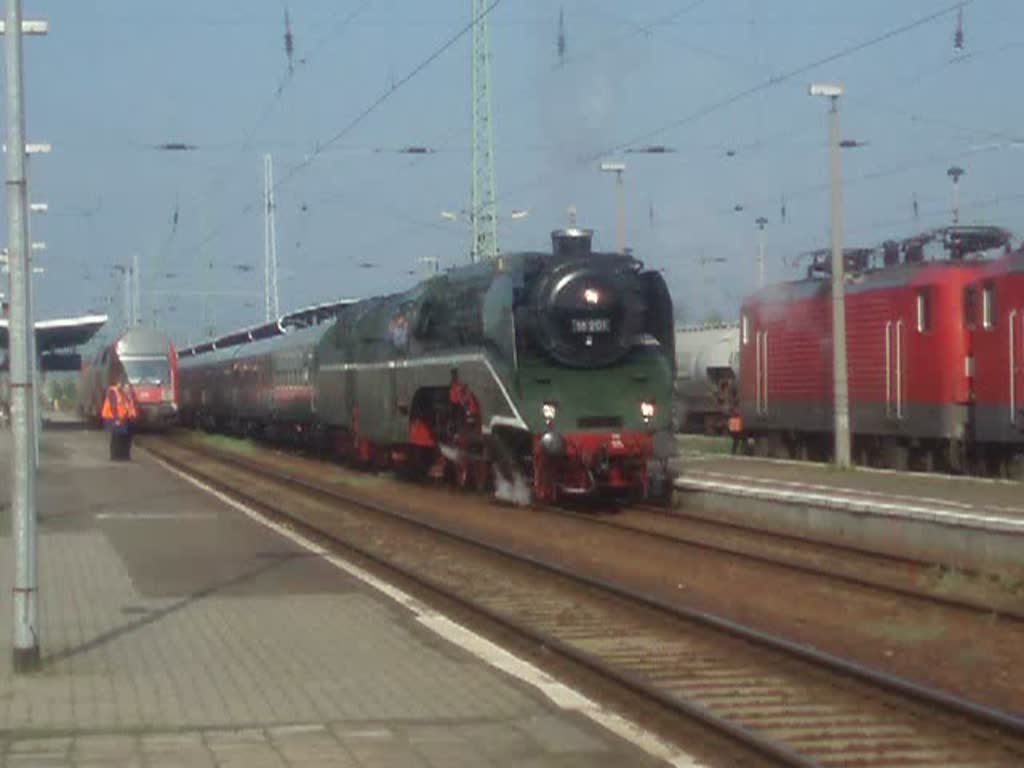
{"x": 620, "y": 213}
{"x": 840, "y": 381}
{"x": 271, "y": 303}
{"x": 620, "y": 203}
{"x": 955, "y": 173}
{"x": 761, "y": 267}
{"x": 23, "y": 396}
{"x": 126, "y": 292}
{"x": 136, "y": 300}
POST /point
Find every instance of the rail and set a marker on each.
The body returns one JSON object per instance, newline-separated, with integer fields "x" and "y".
{"x": 657, "y": 678}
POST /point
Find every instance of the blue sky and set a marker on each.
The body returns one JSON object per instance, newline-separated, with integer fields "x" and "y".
{"x": 115, "y": 77}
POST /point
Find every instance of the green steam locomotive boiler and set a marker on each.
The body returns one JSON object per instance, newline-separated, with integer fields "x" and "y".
{"x": 542, "y": 375}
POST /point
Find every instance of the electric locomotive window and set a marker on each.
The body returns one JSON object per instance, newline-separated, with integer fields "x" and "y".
{"x": 924, "y": 311}
{"x": 970, "y": 307}
{"x": 988, "y": 306}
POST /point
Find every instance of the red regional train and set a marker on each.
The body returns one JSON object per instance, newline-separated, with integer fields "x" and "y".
{"x": 936, "y": 361}
{"x": 146, "y": 358}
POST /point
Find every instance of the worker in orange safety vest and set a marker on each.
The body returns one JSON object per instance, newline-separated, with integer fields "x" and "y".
{"x": 119, "y": 415}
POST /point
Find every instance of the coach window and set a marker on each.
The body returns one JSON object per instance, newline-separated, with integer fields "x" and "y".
{"x": 745, "y": 328}
{"x": 988, "y": 306}
{"x": 924, "y": 312}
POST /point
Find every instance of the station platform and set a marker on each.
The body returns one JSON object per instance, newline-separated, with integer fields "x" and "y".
{"x": 176, "y": 629}
{"x": 971, "y": 522}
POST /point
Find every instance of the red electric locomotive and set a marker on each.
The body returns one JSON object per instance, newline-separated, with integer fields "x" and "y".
{"x": 994, "y": 313}
{"x": 909, "y": 355}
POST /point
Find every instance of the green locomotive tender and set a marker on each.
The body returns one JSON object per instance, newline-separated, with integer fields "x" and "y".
{"x": 546, "y": 374}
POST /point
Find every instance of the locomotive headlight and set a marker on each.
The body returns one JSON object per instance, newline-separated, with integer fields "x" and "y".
{"x": 549, "y": 411}
{"x": 647, "y": 410}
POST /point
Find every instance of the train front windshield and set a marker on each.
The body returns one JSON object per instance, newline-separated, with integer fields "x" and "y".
{"x": 153, "y": 371}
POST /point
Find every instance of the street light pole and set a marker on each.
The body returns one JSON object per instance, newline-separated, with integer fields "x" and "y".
{"x": 23, "y": 395}
{"x": 761, "y": 222}
{"x": 841, "y": 396}
{"x": 620, "y": 204}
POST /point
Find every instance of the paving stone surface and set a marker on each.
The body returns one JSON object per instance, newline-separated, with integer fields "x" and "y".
{"x": 176, "y": 632}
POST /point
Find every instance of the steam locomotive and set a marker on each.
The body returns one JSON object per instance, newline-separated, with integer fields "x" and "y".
{"x": 540, "y": 375}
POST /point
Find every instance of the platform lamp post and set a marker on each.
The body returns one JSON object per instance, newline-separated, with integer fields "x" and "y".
{"x": 955, "y": 173}
{"x": 761, "y": 269}
{"x": 841, "y": 399}
{"x": 25, "y": 650}
{"x": 620, "y": 203}
{"x": 516, "y": 214}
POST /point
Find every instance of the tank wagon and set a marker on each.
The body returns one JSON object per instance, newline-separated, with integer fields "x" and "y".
{"x": 544, "y": 374}
{"x": 707, "y": 362}
{"x": 147, "y": 360}
{"x": 912, "y": 367}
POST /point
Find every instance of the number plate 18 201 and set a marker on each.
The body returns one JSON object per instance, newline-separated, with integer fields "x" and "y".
{"x": 591, "y": 325}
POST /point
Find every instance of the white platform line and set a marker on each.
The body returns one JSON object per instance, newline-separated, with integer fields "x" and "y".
{"x": 839, "y": 501}
{"x": 562, "y": 695}
{"x": 936, "y": 477}
{"x": 845, "y": 490}
{"x": 154, "y": 516}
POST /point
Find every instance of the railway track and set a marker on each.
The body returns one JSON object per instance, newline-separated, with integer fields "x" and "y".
{"x": 788, "y": 704}
{"x": 885, "y": 573}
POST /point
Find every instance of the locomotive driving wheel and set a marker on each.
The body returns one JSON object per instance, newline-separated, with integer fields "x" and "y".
{"x": 463, "y": 474}
{"x": 482, "y": 475}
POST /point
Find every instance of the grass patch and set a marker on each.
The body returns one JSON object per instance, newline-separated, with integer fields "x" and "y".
{"x": 970, "y": 657}
{"x": 705, "y": 444}
{"x": 906, "y": 634}
{"x": 1009, "y": 583}
{"x": 945, "y": 579}
{"x": 225, "y": 443}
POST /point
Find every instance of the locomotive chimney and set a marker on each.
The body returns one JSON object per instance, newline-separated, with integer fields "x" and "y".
{"x": 572, "y": 242}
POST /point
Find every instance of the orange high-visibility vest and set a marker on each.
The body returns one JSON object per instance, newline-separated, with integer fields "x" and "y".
{"x": 118, "y": 406}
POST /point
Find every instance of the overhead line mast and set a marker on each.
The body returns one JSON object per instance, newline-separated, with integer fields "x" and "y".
{"x": 483, "y": 204}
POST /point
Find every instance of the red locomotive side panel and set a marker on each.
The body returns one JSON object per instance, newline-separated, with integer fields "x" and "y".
{"x": 908, "y": 356}
{"x": 784, "y": 361}
{"x": 994, "y": 312}
{"x": 913, "y": 379}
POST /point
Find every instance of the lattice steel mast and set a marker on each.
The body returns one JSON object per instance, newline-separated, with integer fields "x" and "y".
{"x": 483, "y": 205}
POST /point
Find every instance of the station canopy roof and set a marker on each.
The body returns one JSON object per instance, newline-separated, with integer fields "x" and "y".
{"x": 300, "y": 318}
{"x": 63, "y": 333}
